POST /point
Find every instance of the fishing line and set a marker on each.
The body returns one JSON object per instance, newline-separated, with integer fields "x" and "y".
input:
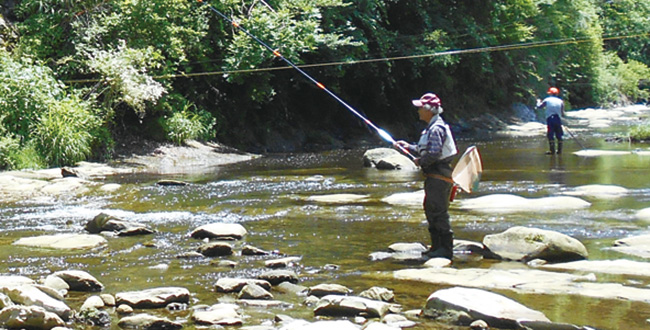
{"x": 382, "y": 133}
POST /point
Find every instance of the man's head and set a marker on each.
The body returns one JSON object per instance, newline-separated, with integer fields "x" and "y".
{"x": 553, "y": 91}
{"x": 430, "y": 102}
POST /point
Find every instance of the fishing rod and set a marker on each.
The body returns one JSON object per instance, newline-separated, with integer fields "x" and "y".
{"x": 382, "y": 133}
{"x": 574, "y": 137}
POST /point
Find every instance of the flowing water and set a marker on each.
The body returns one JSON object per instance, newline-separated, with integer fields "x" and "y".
{"x": 268, "y": 197}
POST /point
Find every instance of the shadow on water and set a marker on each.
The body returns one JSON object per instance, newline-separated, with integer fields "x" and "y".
{"x": 269, "y": 196}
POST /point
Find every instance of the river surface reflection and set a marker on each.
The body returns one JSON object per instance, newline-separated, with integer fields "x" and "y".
{"x": 268, "y": 196}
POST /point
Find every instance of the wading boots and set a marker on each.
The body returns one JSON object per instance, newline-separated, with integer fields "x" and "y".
{"x": 551, "y": 147}
{"x": 442, "y": 246}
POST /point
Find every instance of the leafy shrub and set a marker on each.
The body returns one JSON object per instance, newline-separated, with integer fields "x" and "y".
{"x": 640, "y": 132}
{"x": 27, "y": 90}
{"x": 189, "y": 123}
{"x": 124, "y": 71}
{"x": 620, "y": 81}
{"x": 63, "y": 133}
{"x": 13, "y": 157}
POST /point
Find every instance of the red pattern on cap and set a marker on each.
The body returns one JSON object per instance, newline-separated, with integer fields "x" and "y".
{"x": 429, "y": 98}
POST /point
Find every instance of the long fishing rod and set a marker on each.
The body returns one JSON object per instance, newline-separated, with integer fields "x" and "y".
{"x": 573, "y": 136}
{"x": 383, "y": 134}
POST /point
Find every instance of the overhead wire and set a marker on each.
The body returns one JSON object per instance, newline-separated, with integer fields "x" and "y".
{"x": 509, "y": 47}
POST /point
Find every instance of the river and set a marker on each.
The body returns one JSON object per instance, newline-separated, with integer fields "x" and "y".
{"x": 268, "y": 196}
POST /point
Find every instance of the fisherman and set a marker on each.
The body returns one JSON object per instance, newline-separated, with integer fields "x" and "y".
{"x": 554, "y": 113}
{"x": 435, "y": 151}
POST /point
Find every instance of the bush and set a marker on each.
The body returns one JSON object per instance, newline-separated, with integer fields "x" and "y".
{"x": 188, "y": 124}
{"x": 13, "y": 157}
{"x": 621, "y": 80}
{"x": 640, "y": 132}
{"x": 63, "y": 133}
{"x": 27, "y": 90}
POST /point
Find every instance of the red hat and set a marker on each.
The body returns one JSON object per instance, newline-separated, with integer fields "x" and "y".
{"x": 427, "y": 99}
{"x": 553, "y": 91}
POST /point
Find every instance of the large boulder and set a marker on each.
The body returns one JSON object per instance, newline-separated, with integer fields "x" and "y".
{"x": 497, "y": 310}
{"x": 525, "y": 244}
{"x": 387, "y": 159}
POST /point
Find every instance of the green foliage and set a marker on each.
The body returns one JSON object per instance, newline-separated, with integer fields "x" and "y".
{"x": 620, "y": 81}
{"x": 640, "y": 132}
{"x": 124, "y": 72}
{"x": 627, "y": 18}
{"x": 26, "y": 89}
{"x": 63, "y": 133}
{"x": 189, "y": 124}
{"x": 131, "y": 56}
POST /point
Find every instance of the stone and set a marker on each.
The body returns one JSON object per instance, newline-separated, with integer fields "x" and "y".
{"x": 378, "y": 293}
{"x": 148, "y": 322}
{"x": 254, "y": 291}
{"x": 29, "y": 317}
{"x": 63, "y": 241}
{"x": 525, "y": 244}
{"x": 153, "y": 298}
{"x": 219, "y": 231}
{"x": 497, "y": 310}
{"x": 276, "y": 277}
{"x": 215, "y": 249}
{"x": 506, "y": 203}
{"x": 336, "y": 305}
{"x": 79, "y": 280}
{"x": 324, "y": 289}
{"x": 227, "y": 285}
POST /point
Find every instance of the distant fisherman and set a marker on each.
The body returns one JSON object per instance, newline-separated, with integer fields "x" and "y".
{"x": 554, "y": 113}
{"x": 435, "y": 149}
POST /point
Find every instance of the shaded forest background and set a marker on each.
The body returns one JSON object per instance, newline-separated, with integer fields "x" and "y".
{"x": 77, "y": 76}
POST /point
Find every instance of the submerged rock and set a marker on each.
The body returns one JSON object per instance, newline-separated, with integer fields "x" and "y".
{"x": 338, "y": 198}
{"x": 604, "y": 191}
{"x": 636, "y": 245}
{"x": 512, "y": 203}
{"x": 63, "y": 241}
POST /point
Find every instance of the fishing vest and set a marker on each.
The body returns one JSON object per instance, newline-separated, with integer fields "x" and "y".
{"x": 448, "y": 146}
